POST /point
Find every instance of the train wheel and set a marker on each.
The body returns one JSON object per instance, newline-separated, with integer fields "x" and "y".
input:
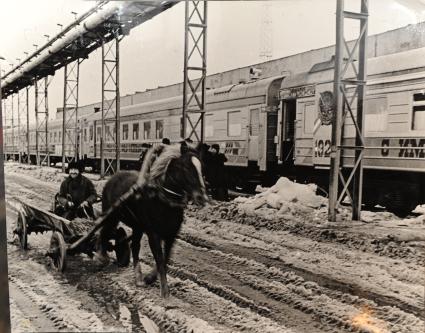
{"x": 122, "y": 248}
{"x": 57, "y": 251}
{"x": 22, "y": 231}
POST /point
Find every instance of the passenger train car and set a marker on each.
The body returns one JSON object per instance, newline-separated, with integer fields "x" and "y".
{"x": 281, "y": 125}
{"x": 394, "y": 128}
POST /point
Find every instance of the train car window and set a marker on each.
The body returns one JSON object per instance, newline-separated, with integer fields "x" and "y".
{"x": 209, "y": 126}
{"x": 136, "y": 131}
{"x": 98, "y": 133}
{"x": 376, "y": 113}
{"x": 418, "y": 120}
{"x": 125, "y": 131}
{"x": 234, "y": 126}
{"x": 91, "y": 133}
{"x": 85, "y": 135}
{"x": 146, "y": 130}
{"x": 310, "y": 116}
{"x": 159, "y": 129}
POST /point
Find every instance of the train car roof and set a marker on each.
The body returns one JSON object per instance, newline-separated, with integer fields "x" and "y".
{"x": 231, "y": 92}
{"x": 387, "y": 65}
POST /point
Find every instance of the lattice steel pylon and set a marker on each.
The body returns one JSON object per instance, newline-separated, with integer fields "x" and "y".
{"x": 9, "y": 143}
{"x": 344, "y": 106}
{"x": 70, "y": 113}
{"x": 23, "y": 126}
{"x": 266, "y": 31}
{"x": 110, "y": 139}
{"x": 41, "y": 121}
{"x": 195, "y": 61}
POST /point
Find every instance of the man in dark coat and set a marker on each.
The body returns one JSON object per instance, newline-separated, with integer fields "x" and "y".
{"x": 217, "y": 174}
{"x": 79, "y": 192}
{"x": 145, "y": 148}
{"x": 205, "y": 155}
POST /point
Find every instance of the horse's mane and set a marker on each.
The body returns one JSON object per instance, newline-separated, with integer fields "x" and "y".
{"x": 156, "y": 162}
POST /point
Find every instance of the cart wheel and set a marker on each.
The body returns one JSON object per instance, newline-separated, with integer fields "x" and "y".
{"x": 57, "y": 251}
{"x": 22, "y": 231}
{"x": 122, "y": 248}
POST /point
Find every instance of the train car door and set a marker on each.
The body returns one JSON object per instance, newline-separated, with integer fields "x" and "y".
{"x": 287, "y": 130}
{"x": 253, "y": 134}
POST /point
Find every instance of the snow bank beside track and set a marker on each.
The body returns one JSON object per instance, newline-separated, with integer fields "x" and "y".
{"x": 285, "y": 197}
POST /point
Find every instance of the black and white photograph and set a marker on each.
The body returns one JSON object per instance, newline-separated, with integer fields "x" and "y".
{"x": 212, "y": 166}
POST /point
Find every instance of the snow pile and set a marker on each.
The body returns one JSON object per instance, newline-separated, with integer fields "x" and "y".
{"x": 285, "y": 196}
{"x": 41, "y": 173}
{"x": 417, "y": 217}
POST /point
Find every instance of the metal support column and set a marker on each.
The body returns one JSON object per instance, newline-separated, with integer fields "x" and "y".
{"x": 70, "y": 113}
{"x": 110, "y": 137}
{"x": 195, "y": 63}
{"x": 350, "y": 75}
{"x": 8, "y": 128}
{"x": 28, "y": 125}
{"x": 41, "y": 121}
{"x": 12, "y": 122}
{"x": 22, "y": 126}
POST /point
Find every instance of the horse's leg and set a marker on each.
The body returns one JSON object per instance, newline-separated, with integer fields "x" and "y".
{"x": 105, "y": 235}
{"x": 168, "y": 245}
{"x": 155, "y": 245}
{"x": 135, "y": 249}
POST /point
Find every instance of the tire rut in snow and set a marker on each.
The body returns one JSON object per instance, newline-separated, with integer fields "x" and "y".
{"x": 331, "y": 287}
{"x": 302, "y": 226}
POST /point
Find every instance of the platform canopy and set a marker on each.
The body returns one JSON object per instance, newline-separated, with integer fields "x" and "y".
{"x": 80, "y": 38}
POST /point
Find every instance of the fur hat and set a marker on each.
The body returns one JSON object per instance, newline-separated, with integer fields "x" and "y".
{"x": 76, "y": 165}
{"x": 215, "y": 146}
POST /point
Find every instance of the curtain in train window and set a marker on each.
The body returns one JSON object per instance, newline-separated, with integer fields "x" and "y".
{"x": 209, "y": 126}
{"x": 234, "y": 123}
{"x": 375, "y": 114}
{"x": 146, "y": 130}
{"x": 108, "y": 133}
{"x": 136, "y": 131}
{"x": 159, "y": 126}
{"x": 418, "y": 120}
{"x": 125, "y": 131}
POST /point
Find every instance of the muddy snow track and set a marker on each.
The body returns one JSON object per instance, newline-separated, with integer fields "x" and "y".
{"x": 227, "y": 276}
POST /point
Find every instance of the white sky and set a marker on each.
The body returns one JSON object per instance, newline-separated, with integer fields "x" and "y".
{"x": 153, "y": 53}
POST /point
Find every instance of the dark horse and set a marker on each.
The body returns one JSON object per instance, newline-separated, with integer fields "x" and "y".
{"x": 170, "y": 177}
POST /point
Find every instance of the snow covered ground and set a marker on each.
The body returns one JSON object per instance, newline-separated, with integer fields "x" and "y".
{"x": 269, "y": 263}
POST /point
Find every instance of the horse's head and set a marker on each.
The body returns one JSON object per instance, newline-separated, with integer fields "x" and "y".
{"x": 181, "y": 179}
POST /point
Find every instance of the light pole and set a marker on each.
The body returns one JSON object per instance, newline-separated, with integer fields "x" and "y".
{"x": 4, "y": 283}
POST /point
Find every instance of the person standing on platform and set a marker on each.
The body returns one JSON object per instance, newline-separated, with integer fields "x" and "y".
{"x": 217, "y": 174}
